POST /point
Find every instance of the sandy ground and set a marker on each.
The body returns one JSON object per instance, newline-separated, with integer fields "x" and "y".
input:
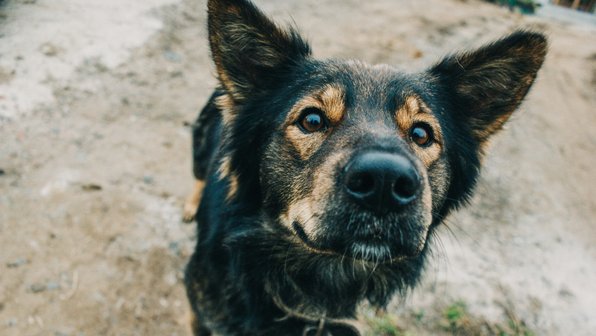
{"x": 95, "y": 163}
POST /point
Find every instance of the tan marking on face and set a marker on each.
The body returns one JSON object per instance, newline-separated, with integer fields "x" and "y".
{"x": 305, "y": 144}
{"x": 325, "y": 175}
{"x": 331, "y": 101}
{"x": 307, "y": 210}
{"x": 427, "y": 207}
{"x": 406, "y": 113}
{"x": 415, "y": 111}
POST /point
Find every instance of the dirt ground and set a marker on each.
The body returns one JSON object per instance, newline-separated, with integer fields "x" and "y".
{"x": 95, "y": 164}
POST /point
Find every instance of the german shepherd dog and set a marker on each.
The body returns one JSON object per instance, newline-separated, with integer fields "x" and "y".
{"x": 323, "y": 181}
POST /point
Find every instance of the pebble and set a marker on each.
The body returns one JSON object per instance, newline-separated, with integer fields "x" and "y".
{"x": 48, "y": 49}
{"x": 91, "y": 187}
{"x": 566, "y": 292}
{"x": 37, "y": 287}
{"x": 17, "y": 263}
{"x": 175, "y": 74}
{"x": 172, "y": 56}
{"x": 148, "y": 179}
{"x": 174, "y": 247}
{"x": 52, "y": 285}
{"x": 41, "y": 287}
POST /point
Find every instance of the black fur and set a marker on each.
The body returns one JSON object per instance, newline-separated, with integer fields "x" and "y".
{"x": 253, "y": 275}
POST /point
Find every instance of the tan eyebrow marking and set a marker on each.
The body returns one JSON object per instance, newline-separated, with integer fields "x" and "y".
{"x": 414, "y": 110}
{"x": 406, "y": 114}
{"x": 330, "y": 100}
{"x": 333, "y": 100}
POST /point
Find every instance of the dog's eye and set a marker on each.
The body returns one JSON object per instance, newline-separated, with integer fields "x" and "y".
{"x": 421, "y": 134}
{"x": 312, "y": 120}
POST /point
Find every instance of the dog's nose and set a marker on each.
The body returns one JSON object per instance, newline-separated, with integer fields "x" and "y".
{"x": 381, "y": 181}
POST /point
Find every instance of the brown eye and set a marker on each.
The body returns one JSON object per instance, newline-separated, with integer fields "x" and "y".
{"x": 312, "y": 120}
{"x": 421, "y": 134}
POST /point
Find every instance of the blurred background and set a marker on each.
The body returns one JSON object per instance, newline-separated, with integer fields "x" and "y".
{"x": 95, "y": 102}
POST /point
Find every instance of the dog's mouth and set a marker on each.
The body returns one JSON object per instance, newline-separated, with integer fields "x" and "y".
{"x": 366, "y": 248}
{"x": 373, "y": 251}
{"x": 382, "y": 251}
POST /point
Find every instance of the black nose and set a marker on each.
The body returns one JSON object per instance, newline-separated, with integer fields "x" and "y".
{"x": 381, "y": 181}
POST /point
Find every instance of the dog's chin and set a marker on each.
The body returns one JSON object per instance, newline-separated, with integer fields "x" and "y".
{"x": 375, "y": 252}
{"x": 380, "y": 252}
{"x": 372, "y": 250}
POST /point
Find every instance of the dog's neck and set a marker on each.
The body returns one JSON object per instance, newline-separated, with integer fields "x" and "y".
{"x": 284, "y": 280}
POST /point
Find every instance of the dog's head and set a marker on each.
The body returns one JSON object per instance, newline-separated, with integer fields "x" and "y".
{"x": 352, "y": 159}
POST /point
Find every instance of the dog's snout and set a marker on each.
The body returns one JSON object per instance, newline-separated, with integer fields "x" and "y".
{"x": 381, "y": 181}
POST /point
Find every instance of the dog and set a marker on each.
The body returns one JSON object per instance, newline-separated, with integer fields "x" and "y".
{"x": 320, "y": 183}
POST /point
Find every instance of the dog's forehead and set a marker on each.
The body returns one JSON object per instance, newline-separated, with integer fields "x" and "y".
{"x": 370, "y": 87}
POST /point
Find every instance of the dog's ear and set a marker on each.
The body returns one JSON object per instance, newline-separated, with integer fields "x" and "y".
{"x": 488, "y": 84}
{"x": 249, "y": 50}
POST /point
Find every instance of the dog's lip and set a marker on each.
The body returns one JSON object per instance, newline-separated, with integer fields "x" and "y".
{"x": 373, "y": 244}
{"x": 307, "y": 242}
{"x": 374, "y": 251}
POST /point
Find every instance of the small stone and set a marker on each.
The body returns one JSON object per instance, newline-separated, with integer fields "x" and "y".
{"x": 91, "y": 187}
{"x": 148, "y": 179}
{"x": 37, "y": 287}
{"x": 566, "y": 292}
{"x": 172, "y": 56}
{"x": 417, "y": 54}
{"x": 52, "y": 285}
{"x": 48, "y": 49}
{"x": 175, "y": 74}
{"x": 2, "y": 172}
{"x": 16, "y": 263}
{"x": 174, "y": 247}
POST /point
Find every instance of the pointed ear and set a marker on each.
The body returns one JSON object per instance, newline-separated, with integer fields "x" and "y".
{"x": 249, "y": 50}
{"x": 488, "y": 84}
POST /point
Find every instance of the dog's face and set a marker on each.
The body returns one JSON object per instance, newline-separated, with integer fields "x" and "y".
{"x": 356, "y": 162}
{"x": 350, "y": 159}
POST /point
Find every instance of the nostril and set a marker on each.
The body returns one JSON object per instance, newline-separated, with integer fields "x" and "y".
{"x": 361, "y": 183}
{"x": 381, "y": 182}
{"x": 405, "y": 188}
